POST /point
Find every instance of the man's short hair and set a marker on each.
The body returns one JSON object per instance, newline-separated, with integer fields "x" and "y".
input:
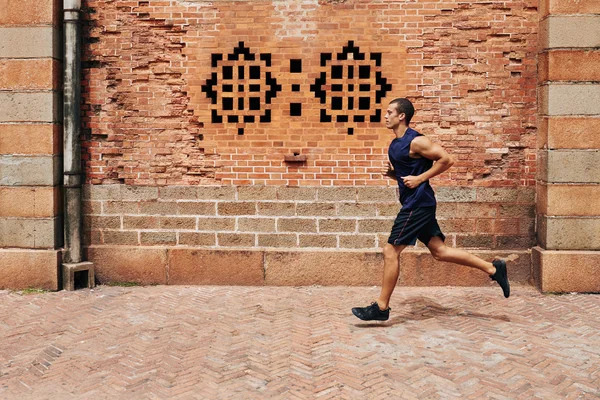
{"x": 404, "y": 106}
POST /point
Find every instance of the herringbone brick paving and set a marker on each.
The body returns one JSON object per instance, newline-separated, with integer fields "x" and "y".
{"x": 176, "y": 342}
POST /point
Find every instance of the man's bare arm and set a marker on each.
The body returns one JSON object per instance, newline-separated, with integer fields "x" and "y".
{"x": 423, "y": 146}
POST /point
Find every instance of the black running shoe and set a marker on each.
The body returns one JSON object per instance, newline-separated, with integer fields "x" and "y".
{"x": 371, "y": 313}
{"x": 501, "y": 276}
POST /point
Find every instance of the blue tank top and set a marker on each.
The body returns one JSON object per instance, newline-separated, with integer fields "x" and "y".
{"x": 404, "y": 165}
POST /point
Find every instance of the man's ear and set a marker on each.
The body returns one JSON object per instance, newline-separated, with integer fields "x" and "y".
{"x": 401, "y": 116}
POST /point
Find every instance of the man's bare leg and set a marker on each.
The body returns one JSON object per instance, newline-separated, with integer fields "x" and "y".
{"x": 391, "y": 271}
{"x": 496, "y": 270}
{"x": 441, "y": 252}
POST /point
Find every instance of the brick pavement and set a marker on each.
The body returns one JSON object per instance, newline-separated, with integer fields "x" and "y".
{"x": 209, "y": 342}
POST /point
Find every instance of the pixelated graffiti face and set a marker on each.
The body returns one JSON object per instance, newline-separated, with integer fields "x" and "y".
{"x": 349, "y": 87}
{"x": 355, "y": 74}
{"x": 242, "y": 87}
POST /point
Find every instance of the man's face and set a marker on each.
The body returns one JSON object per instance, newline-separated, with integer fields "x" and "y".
{"x": 392, "y": 118}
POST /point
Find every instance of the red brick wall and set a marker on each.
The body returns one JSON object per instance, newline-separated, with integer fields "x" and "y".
{"x": 469, "y": 67}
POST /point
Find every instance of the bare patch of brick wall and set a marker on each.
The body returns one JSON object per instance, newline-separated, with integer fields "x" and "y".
{"x": 293, "y": 218}
{"x": 468, "y": 66}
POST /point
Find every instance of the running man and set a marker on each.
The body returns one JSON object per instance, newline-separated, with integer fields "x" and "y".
{"x": 413, "y": 161}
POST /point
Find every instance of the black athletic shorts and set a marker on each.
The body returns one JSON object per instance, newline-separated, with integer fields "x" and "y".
{"x": 418, "y": 223}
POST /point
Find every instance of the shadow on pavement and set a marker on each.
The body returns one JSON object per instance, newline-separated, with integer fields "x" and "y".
{"x": 421, "y": 308}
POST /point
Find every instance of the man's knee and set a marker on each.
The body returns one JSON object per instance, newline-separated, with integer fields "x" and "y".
{"x": 390, "y": 251}
{"x": 439, "y": 253}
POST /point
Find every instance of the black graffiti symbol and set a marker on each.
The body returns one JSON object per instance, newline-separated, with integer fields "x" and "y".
{"x": 348, "y": 86}
{"x": 241, "y": 87}
{"x": 359, "y": 78}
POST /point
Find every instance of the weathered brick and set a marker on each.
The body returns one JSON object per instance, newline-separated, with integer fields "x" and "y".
{"x": 158, "y": 238}
{"x": 485, "y": 225}
{"x": 566, "y": 271}
{"x": 102, "y": 192}
{"x": 569, "y": 65}
{"x": 33, "y": 138}
{"x": 462, "y": 225}
{"x": 322, "y": 268}
{"x": 129, "y": 264}
{"x": 24, "y": 269}
{"x": 214, "y": 267}
{"x": 514, "y": 242}
{"x": 357, "y": 241}
{"x": 257, "y": 193}
{"x": 216, "y": 193}
{"x": 178, "y": 193}
{"x": 37, "y": 202}
{"x": 92, "y": 237}
{"x": 357, "y": 210}
{"x": 276, "y": 209}
{"x": 33, "y": 74}
{"x": 474, "y": 210}
{"x": 278, "y": 240}
{"x": 120, "y": 237}
{"x": 27, "y": 233}
{"x": 456, "y": 194}
{"x": 337, "y": 225}
{"x": 120, "y": 207}
{"x": 377, "y": 194}
{"x": 141, "y": 222}
{"x": 568, "y": 132}
{"x": 315, "y": 209}
{"x": 567, "y": 7}
{"x": 29, "y": 13}
{"x": 196, "y": 208}
{"x": 28, "y": 106}
{"x": 236, "y": 208}
{"x": 336, "y": 194}
{"x": 375, "y": 225}
{"x": 388, "y": 209}
{"x": 497, "y": 195}
{"x": 216, "y": 224}
{"x": 516, "y": 210}
{"x": 236, "y": 239}
{"x": 296, "y": 193}
{"x": 197, "y": 239}
{"x": 475, "y": 241}
{"x": 138, "y": 193}
{"x": 158, "y": 208}
{"x": 317, "y": 240}
{"x": 256, "y": 224}
{"x": 564, "y": 233}
{"x": 101, "y": 222}
{"x": 29, "y": 170}
{"x": 568, "y": 31}
{"x": 296, "y": 225}
{"x": 508, "y": 226}
{"x": 91, "y": 207}
{"x": 177, "y": 223}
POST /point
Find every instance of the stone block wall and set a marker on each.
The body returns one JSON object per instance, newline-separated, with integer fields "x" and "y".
{"x": 298, "y": 221}
{"x": 30, "y": 145}
{"x": 568, "y": 205}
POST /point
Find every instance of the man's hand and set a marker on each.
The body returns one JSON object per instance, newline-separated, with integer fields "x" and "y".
{"x": 388, "y": 170}
{"x": 411, "y": 182}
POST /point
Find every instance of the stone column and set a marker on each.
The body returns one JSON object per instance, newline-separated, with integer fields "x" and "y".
{"x": 30, "y": 130}
{"x": 568, "y": 187}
